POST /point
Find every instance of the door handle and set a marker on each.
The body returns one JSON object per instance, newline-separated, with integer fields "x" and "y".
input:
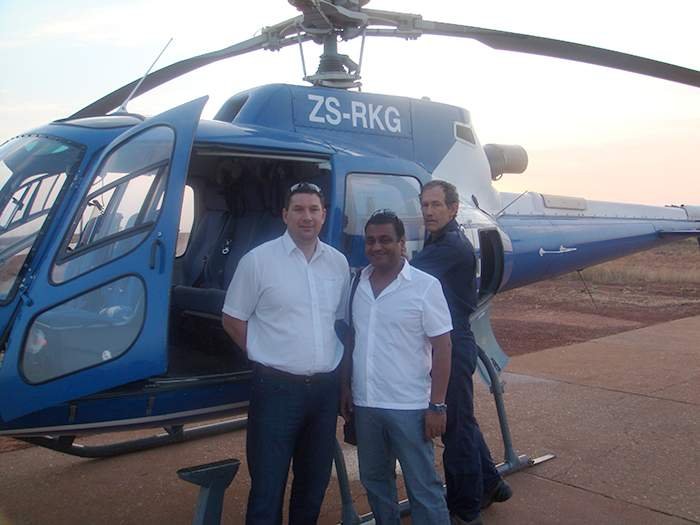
{"x": 562, "y": 249}
{"x": 154, "y": 252}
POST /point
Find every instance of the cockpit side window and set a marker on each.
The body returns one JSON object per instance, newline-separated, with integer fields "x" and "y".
{"x": 33, "y": 170}
{"x": 122, "y": 204}
{"x": 368, "y": 192}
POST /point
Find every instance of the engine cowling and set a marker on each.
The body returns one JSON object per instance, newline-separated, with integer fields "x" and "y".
{"x": 505, "y": 158}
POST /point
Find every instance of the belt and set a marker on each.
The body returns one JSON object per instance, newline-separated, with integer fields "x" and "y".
{"x": 267, "y": 371}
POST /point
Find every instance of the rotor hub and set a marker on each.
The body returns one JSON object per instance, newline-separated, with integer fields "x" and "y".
{"x": 331, "y": 9}
{"x": 325, "y": 21}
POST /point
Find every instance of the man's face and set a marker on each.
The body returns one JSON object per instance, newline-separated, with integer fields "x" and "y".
{"x": 383, "y": 248}
{"x": 304, "y": 217}
{"x": 436, "y": 214}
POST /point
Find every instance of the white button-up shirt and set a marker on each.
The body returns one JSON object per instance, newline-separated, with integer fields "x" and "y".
{"x": 291, "y": 305}
{"x": 393, "y": 356}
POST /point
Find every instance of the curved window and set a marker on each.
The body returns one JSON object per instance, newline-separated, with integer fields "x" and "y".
{"x": 122, "y": 205}
{"x": 33, "y": 170}
{"x": 186, "y": 221}
{"x": 93, "y": 328}
{"x": 366, "y": 193}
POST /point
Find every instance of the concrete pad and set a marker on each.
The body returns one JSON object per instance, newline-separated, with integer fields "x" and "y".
{"x": 685, "y": 392}
{"x": 43, "y": 487}
{"x": 538, "y": 501}
{"x": 639, "y": 448}
{"x": 621, "y": 414}
{"x": 644, "y": 361}
{"x": 633, "y": 448}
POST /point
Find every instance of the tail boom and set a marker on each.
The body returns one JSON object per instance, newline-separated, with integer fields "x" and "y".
{"x": 553, "y": 235}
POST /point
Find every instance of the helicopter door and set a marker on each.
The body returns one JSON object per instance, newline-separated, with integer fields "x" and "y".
{"x": 96, "y": 316}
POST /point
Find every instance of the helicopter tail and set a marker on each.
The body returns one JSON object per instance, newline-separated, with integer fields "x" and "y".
{"x": 552, "y": 235}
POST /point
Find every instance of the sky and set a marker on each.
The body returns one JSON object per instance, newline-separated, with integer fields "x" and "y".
{"x": 589, "y": 131}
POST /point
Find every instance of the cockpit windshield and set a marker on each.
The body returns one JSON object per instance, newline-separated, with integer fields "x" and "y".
{"x": 33, "y": 170}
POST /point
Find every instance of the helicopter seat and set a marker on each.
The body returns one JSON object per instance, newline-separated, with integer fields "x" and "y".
{"x": 238, "y": 237}
{"x": 200, "y": 302}
{"x": 205, "y": 297}
{"x": 248, "y": 224}
{"x": 205, "y": 235}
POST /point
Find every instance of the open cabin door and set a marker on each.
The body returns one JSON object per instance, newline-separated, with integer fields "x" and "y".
{"x": 96, "y": 315}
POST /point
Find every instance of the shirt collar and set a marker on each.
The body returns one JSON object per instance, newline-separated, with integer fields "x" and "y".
{"x": 290, "y": 245}
{"x": 450, "y": 226}
{"x": 405, "y": 272}
{"x": 288, "y": 242}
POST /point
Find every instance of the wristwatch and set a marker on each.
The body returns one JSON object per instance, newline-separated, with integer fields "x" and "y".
{"x": 437, "y": 407}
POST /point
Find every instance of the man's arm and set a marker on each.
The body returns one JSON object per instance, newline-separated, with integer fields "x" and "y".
{"x": 237, "y": 330}
{"x": 436, "y": 422}
{"x": 241, "y": 300}
{"x": 346, "y": 406}
{"x": 442, "y": 357}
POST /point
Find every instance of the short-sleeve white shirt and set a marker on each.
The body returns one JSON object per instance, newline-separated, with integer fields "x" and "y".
{"x": 393, "y": 356}
{"x": 291, "y": 305}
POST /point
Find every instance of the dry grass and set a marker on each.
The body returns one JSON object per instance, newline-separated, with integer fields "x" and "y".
{"x": 611, "y": 273}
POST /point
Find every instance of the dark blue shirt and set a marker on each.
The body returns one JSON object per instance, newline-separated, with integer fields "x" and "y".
{"x": 449, "y": 256}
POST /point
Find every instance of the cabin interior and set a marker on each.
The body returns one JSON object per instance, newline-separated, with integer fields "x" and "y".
{"x": 235, "y": 203}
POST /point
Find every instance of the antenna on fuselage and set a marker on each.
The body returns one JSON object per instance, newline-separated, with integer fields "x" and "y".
{"x": 122, "y": 108}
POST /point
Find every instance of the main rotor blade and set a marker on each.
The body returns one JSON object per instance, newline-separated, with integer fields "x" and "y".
{"x": 412, "y": 26}
{"x": 272, "y": 38}
{"x": 406, "y": 26}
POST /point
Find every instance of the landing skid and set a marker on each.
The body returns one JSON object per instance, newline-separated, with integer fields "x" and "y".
{"x": 513, "y": 462}
{"x": 173, "y": 434}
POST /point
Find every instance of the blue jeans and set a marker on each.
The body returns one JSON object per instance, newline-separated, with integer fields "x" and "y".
{"x": 383, "y": 436}
{"x": 469, "y": 469}
{"x": 290, "y": 419}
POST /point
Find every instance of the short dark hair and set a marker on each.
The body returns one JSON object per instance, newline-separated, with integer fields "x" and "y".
{"x": 451, "y": 193}
{"x": 386, "y": 216}
{"x": 304, "y": 187}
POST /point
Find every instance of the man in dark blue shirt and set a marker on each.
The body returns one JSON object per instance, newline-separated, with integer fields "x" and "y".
{"x": 472, "y": 480}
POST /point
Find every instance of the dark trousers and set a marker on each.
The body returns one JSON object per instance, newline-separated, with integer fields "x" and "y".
{"x": 290, "y": 419}
{"x": 469, "y": 468}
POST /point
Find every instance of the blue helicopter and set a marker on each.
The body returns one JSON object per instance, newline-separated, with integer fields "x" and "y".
{"x": 110, "y": 304}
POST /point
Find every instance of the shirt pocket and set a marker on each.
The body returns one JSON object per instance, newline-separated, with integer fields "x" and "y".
{"x": 331, "y": 291}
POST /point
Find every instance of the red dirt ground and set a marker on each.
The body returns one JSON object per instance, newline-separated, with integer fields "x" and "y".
{"x": 561, "y": 312}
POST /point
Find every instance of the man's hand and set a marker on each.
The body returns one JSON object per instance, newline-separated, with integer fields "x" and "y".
{"x": 346, "y": 406}
{"x": 435, "y": 424}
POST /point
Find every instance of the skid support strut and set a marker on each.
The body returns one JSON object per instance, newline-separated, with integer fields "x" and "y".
{"x": 512, "y": 462}
{"x": 214, "y": 479}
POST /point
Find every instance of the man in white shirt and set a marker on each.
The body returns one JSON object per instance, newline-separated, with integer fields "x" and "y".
{"x": 400, "y": 371}
{"x": 280, "y": 308}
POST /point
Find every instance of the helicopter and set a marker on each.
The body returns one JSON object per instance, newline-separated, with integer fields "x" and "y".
{"x": 110, "y": 316}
